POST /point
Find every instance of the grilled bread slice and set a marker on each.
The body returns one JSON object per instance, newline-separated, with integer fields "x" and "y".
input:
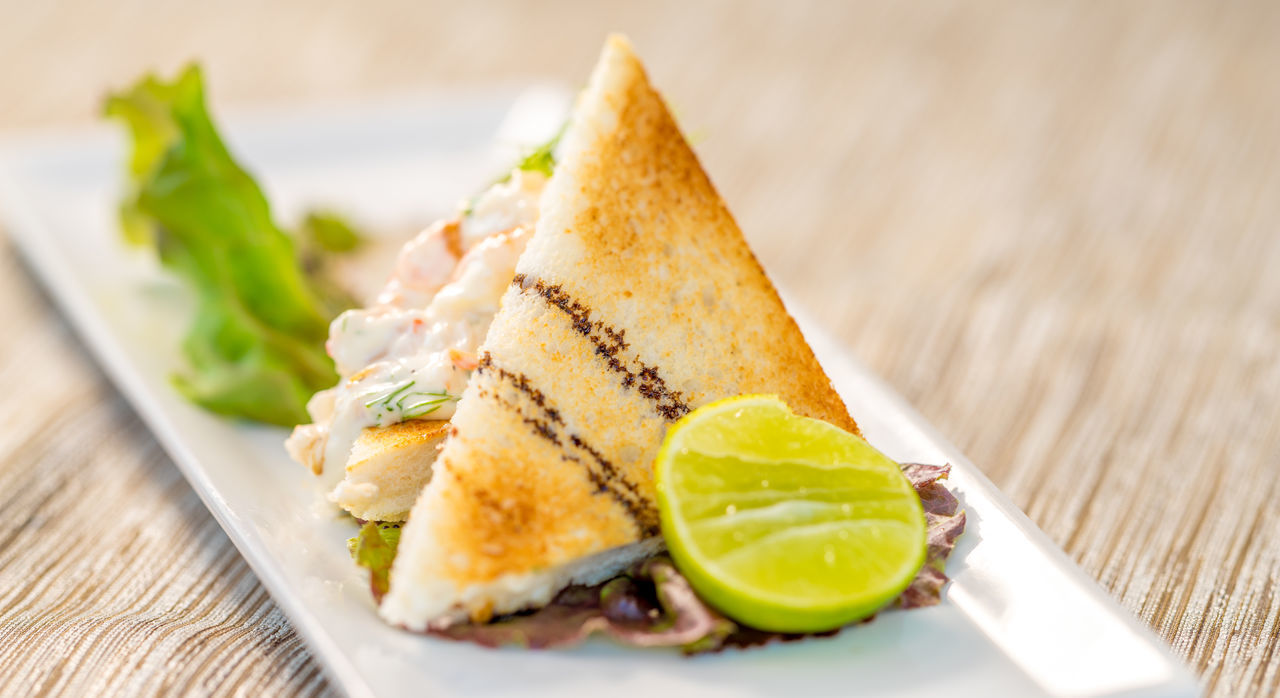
{"x": 636, "y": 301}
{"x": 388, "y": 467}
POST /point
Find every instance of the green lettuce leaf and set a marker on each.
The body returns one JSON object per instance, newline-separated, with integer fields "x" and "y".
{"x": 326, "y": 231}
{"x": 543, "y": 158}
{"x": 256, "y": 347}
{"x": 374, "y": 548}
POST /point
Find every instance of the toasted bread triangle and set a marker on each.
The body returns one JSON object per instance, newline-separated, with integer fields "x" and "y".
{"x": 636, "y": 301}
{"x": 388, "y": 467}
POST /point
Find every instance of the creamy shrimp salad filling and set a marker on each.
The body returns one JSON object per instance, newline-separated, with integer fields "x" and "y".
{"x": 409, "y": 355}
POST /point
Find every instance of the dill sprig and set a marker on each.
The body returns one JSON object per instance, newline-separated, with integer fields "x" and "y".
{"x": 408, "y": 404}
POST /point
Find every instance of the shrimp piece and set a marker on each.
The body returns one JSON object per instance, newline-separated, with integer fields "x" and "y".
{"x": 424, "y": 266}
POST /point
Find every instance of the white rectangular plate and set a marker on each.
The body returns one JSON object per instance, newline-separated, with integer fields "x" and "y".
{"x": 1018, "y": 619}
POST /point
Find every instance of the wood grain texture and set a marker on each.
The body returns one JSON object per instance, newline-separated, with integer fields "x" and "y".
{"x": 1054, "y": 227}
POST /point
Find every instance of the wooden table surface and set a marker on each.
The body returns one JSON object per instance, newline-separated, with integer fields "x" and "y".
{"x": 1055, "y": 228}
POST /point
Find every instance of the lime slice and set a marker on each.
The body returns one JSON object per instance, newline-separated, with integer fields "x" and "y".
{"x": 782, "y": 522}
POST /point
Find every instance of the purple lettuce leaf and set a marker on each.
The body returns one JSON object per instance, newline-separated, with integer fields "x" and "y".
{"x": 571, "y": 616}
{"x": 650, "y": 606}
{"x": 944, "y": 523}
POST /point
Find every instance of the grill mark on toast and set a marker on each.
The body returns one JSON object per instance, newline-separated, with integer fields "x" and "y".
{"x": 541, "y": 428}
{"x": 520, "y": 382}
{"x": 605, "y": 476}
{"x": 610, "y": 345}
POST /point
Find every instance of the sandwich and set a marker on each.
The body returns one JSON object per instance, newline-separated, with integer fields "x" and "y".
{"x": 508, "y": 390}
{"x": 635, "y": 301}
